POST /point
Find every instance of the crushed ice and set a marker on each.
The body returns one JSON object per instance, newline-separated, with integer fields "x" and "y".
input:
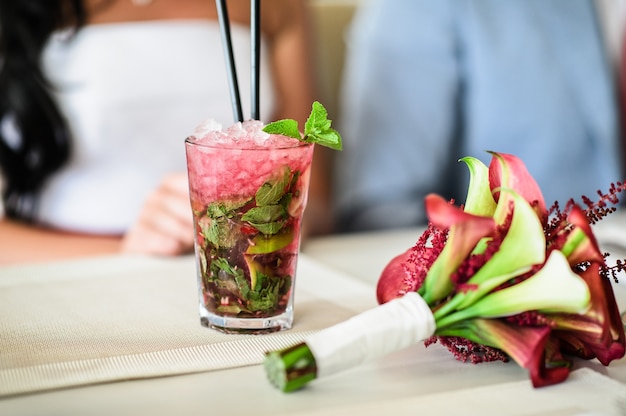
{"x": 249, "y": 131}
{"x": 207, "y": 126}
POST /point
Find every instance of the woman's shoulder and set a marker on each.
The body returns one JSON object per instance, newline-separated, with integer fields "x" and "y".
{"x": 277, "y": 16}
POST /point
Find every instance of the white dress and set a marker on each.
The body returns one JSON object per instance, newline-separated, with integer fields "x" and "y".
{"x": 132, "y": 92}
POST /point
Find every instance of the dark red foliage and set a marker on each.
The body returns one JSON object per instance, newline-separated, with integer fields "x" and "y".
{"x": 465, "y": 350}
{"x": 557, "y": 229}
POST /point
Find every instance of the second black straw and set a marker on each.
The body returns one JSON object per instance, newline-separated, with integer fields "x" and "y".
{"x": 255, "y": 30}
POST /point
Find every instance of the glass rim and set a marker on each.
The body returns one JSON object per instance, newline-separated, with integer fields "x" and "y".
{"x": 191, "y": 141}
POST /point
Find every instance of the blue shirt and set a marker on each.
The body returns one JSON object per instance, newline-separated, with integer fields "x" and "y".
{"x": 428, "y": 82}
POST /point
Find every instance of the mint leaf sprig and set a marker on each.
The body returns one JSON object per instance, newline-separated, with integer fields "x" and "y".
{"x": 316, "y": 129}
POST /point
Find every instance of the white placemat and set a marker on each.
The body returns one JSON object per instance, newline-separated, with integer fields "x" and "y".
{"x": 117, "y": 318}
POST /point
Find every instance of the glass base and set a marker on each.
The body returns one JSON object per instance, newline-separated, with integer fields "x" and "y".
{"x": 249, "y": 326}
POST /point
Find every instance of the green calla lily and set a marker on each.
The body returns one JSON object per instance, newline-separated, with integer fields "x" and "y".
{"x": 479, "y": 199}
{"x": 522, "y": 248}
{"x": 469, "y": 229}
{"x": 543, "y": 291}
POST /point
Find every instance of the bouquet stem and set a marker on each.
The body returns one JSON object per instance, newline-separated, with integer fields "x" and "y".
{"x": 387, "y": 328}
{"x": 291, "y": 368}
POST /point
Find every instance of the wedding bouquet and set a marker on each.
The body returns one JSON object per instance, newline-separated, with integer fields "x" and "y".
{"x": 501, "y": 277}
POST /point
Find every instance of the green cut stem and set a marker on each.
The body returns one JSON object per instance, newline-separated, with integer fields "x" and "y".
{"x": 290, "y": 369}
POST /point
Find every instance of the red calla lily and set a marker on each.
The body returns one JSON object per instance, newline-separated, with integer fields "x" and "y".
{"x": 598, "y": 333}
{"x": 524, "y": 344}
{"x": 508, "y": 171}
{"x": 465, "y": 231}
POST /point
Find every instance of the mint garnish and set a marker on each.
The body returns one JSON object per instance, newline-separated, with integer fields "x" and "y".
{"x": 287, "y": 127}
{"x": 316, "y": 129}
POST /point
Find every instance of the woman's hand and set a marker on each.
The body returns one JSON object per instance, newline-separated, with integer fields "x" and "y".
{"x": 165, "y": 225}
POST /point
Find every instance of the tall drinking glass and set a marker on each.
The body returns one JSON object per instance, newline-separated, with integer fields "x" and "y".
{"x": 248, "y": 191}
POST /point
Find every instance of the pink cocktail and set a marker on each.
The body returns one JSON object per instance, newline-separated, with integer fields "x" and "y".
{"x": 248, "y": 191}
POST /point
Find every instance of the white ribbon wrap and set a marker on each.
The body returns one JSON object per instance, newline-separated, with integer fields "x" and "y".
{"x": 390, "y": 327}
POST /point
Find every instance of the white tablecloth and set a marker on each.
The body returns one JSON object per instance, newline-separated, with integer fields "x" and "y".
{"x": 336, "y": 279}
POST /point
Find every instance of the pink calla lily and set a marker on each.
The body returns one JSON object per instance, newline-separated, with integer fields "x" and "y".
{"x": 508, "y": 171}
{"x": 581, "y": 244}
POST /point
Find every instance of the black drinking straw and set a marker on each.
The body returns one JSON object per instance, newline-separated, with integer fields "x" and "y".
{"x": 227, "y": 46}
{"x": 255, "y": 28}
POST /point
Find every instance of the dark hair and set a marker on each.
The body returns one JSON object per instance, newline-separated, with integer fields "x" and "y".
{"x": 34, "y": 136}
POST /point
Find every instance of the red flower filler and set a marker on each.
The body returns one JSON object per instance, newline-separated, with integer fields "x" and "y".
{"x": 501, "y": 277}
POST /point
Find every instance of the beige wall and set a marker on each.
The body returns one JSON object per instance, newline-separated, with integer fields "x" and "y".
{"x": 330, "y": 20}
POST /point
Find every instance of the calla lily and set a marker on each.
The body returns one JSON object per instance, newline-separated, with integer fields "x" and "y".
{"x": 543, "y": 291}
{"x": 508, "y": 171}
{"x": 479, "y": 200}
{"x": 598, "y": 332}
{"x": 525, "y": 345}
{"x": 581, "y": 244}
{"x": 465, "y": 232}
{"x": 522, "y": 248}
{"x": 466, "y": 227}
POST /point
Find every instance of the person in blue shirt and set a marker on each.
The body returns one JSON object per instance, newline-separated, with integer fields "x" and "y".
{"x": 428, "y": 82}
